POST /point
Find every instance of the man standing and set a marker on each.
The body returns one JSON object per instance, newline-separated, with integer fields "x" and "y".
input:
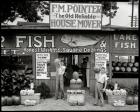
{"x": 101, "y": 83}
{"x": 60, "y": 70}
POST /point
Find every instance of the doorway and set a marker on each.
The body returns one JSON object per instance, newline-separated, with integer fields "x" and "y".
{"x": 75, "y": 62}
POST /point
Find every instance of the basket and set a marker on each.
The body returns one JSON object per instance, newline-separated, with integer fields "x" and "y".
{"x": 35, "y": 97}
{"x": 112, "y": 98}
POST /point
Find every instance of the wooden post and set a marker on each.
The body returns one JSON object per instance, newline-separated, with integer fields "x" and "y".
{"x": 132, "y": 13}
{"x": 110, "y": 57}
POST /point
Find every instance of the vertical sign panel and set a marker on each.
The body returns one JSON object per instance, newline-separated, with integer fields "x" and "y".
{"x": 101, "y": 59}
{"x": 41, "y": 65}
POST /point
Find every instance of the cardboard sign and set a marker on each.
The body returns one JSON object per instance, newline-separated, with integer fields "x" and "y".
{"x": 101, "y": 59}
{"x": 41, "y": 65}
{"x": 75, "y": 16}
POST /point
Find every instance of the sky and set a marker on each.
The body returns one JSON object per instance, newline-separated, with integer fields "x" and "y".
{"x": 121, "y": 19}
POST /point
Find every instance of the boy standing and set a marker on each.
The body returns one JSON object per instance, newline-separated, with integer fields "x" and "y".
{"x": 101, "y": 82}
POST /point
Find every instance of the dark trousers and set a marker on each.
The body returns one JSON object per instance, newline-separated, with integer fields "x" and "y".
{"x": 84, "y": 79}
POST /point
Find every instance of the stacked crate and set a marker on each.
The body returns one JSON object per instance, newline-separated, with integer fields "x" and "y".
{"x": 75, "y": 95}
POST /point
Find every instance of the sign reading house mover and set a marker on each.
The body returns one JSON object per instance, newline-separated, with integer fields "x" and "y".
{"x": 75, "y": 16}
{"x": 41, "y": 65}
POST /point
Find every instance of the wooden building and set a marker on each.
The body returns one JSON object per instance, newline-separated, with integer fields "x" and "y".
{"x": 31, "y": 41}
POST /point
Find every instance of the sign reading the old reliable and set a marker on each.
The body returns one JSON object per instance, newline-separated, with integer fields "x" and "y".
{"x": 75, "y": 16}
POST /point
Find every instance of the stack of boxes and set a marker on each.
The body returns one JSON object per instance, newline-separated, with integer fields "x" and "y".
{"x": 75, "y": 95}
{"x": 29, "y": 97}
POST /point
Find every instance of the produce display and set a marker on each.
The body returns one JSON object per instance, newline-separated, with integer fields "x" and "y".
{"x": 14, "y": 100}
{"x": 30, "y": 102}
{"x": 125, "y": 66}
{"x": 25, "y": 99}
{"x": 12, "y": 82}
{"x": 76, "y": 97}
{"x": 75, "y": 83}
{"x": 119, "y": 103}
{"x": 115, "y": 92}
{"x": 27, "y": 92}
{"x": 116, "y": 97}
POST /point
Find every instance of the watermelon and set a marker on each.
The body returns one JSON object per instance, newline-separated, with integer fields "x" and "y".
{"x": 129, "y": 100}
{"x": 3, "y": 101}
{"x": 79, "y": 81}
{"x": 72, "y": 81}
{"x": 119, "y": 64}
{"x": 16, "y": 100}
{"x": 134, "y": 69}
{"x": 113, "y": 63}
{"x": 112, "y": 68}
{"x": 123, "y": 69}
{"x": 135, "y": 99}
{"x": 75, "y": 75}
{"x": 128, "y": 69}
{"x": 124, "y": 64}
{"x": 9, "y": 101}
{"x": 130, "y": 64}
{"x": 96, "y": 70}
{"x": 117, "y": 69}
{"x": 136, "y": 64}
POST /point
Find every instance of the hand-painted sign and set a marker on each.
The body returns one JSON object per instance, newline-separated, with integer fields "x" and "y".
{"x": 75, "y": 16}
{"x": 41, "y": 65}
{"x": 80, "y": 40}
{"x": 101, "y": 59}
{"x": 125, "y": 41}
{"x": 35, "y": 43}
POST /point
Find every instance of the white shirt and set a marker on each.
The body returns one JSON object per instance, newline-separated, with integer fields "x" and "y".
{"x": 101, "y": 77}
{"x": 61, "y": 70}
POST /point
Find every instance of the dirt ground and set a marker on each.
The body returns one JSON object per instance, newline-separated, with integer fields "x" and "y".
{"x": 52, "y": 104}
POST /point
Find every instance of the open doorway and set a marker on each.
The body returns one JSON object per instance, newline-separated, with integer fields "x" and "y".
{"x": 76, "y": 62}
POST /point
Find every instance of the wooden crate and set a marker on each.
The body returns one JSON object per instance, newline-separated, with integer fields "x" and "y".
{"x": 112, "y": 98}
{"x": 35, "y": 97}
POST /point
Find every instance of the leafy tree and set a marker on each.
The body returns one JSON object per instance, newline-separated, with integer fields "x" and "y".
{"x": 28, "y": 9}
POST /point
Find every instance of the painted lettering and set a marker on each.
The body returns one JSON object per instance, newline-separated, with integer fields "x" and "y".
{"x": 133, "y": 45}
{"x": 18, "y": 41}
{"x": 39, "y": 42}
{"x": 46, "y": 41}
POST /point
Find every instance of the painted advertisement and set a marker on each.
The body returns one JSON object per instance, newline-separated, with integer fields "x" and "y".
{"x": 101, "y": 59}
{"x": 41, "y": 65}
{"x": 44, "y": 43}
{"x": 75, "y": 16}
